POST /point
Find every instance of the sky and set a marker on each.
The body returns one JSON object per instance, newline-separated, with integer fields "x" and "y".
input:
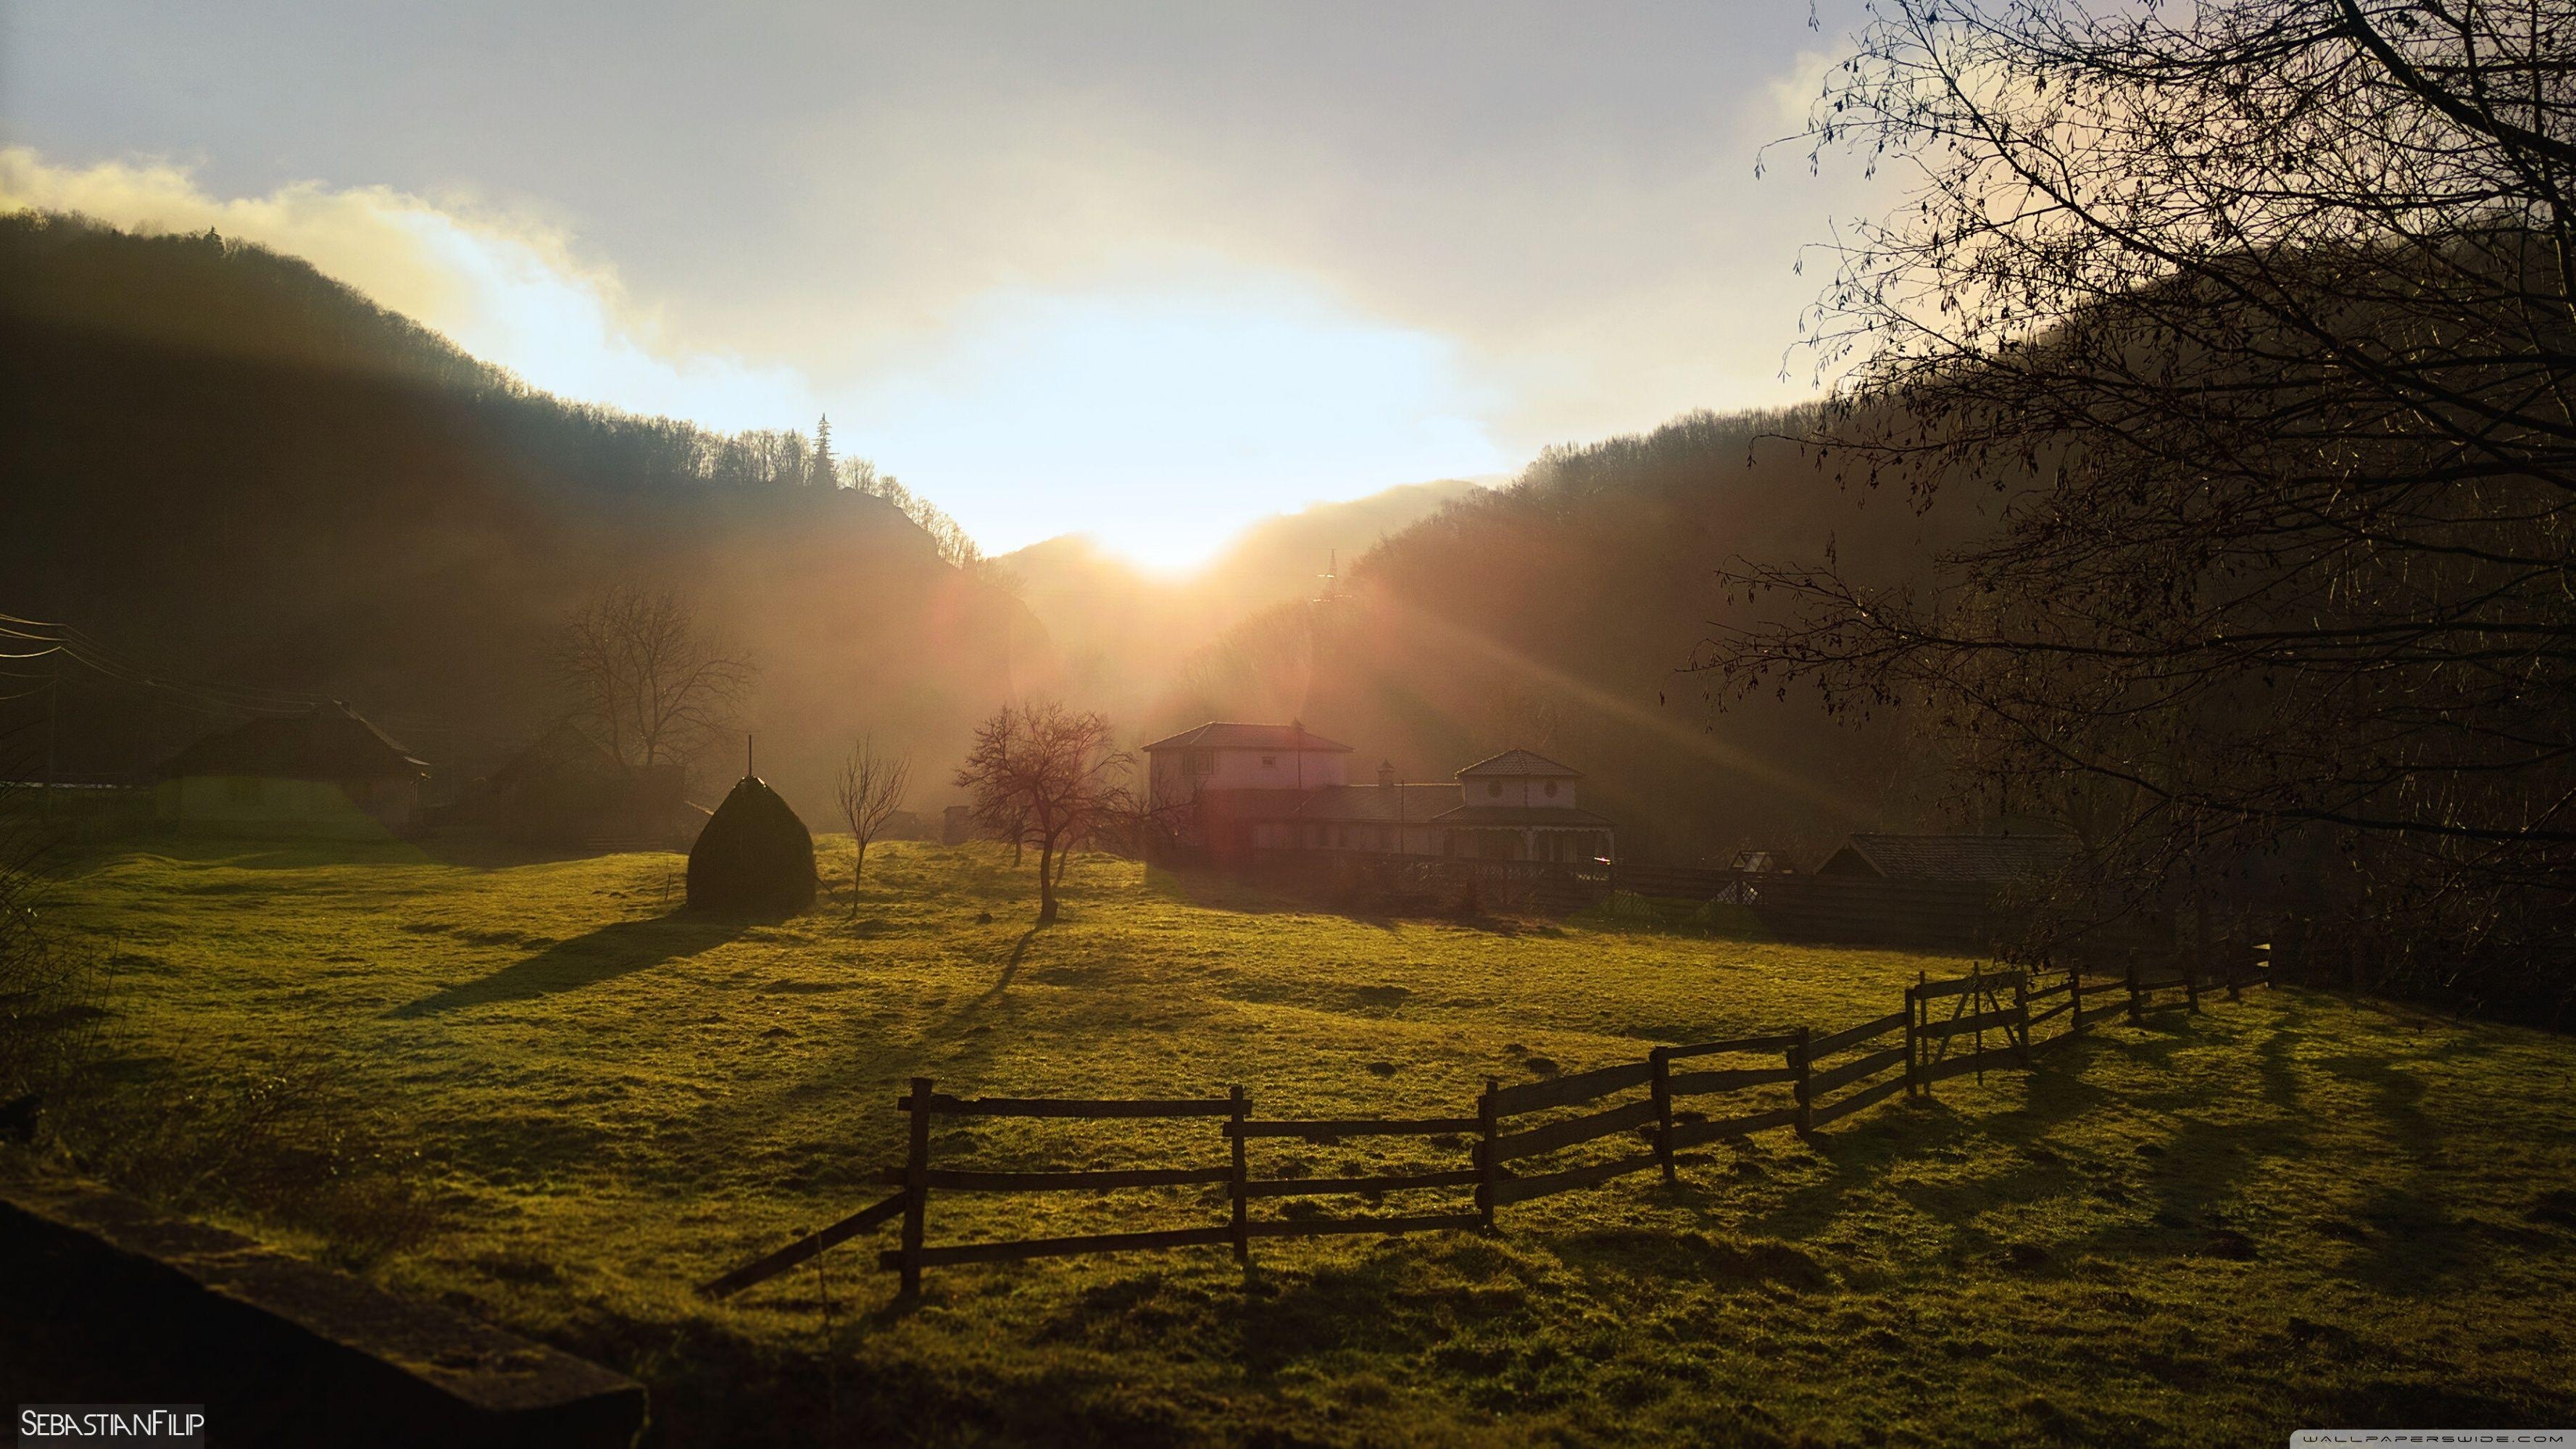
{"x": 1148, "y": 272}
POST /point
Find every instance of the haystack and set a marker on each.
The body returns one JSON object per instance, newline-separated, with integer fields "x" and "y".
{"x": 754, "y": 858}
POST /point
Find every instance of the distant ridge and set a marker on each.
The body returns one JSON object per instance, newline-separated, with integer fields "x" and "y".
{"x": 218, "y": 458}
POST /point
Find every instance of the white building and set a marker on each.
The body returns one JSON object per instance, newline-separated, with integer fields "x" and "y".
{"x": 1520, "y": 806}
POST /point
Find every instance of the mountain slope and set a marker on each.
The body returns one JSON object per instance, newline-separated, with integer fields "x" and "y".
{"x": 215, "y": 450}
{"x": 1556, "y": 614}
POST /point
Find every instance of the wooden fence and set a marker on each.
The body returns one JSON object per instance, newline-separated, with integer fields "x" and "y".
{"x": 1797, "y": 1078}
{"x": 1850, "y": 910}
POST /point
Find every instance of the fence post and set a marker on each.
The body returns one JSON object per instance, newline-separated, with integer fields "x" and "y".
{"x": 1979, "y": 999}
{"x": 916, "y": 1187}
{"x": 1238, "y": 1186}
{"x": 1798, "y": 1064}
{"x": 2137, "y": 1002}
{"x": 1660, "y": 1062}
{"x": 2200, "y": 942}
{"x": 2021, "y": 1014}
{"x": 1489, "y": 1165}
{"x": 1913, "y": 1044}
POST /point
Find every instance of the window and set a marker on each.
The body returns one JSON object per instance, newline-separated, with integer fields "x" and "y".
{"x": 1551, "y": 789}
{"x": 1198, "y": 762}
{"x": 1270, "y": 762}
{"x": 1493, "y": 787}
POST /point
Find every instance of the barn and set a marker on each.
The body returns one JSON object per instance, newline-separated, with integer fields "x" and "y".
{"x": 325, "y": 772}
{"x": 567, "y": 788}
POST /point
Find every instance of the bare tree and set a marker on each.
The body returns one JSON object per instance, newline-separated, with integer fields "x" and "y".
{"x": 2261, "y": 317}
{"x": 1050, "y": 776}
{"x": 871, "y": 789}
{"x": 643, "y": 673}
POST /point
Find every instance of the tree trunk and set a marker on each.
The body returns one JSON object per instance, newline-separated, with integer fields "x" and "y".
{"x": 1046, "y": 882}
{"x": 858, "y": 869}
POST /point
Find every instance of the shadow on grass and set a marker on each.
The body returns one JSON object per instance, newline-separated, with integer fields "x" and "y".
{"x": 612, "y": 951}
{"x": 2415, "y": 1243}
{"x": 1664, "y": 1256}
{"x": 1000, "y": 986}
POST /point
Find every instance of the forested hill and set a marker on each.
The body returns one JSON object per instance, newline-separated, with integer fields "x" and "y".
{"x": 220, "y": 461}
{"x": 1553, "y": 615}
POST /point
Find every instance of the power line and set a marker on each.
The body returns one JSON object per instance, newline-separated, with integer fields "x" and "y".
{"x": 217, "y": 700}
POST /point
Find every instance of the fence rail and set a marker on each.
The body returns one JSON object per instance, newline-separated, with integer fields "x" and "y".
{"x": 1945, "y": 1026}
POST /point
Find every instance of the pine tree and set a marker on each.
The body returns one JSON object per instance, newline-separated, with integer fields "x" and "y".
{"x": 824, "y": 474}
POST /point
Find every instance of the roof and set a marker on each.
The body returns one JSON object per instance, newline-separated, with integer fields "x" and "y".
{"x": 1225, "y": 735}
{"x": 1560, "y": 815}
{"x": 1521, "y": 763}
{"x": 1412, "y": 804}
{"x": 564, "y": 748}
{"x": 329, "y": 742}
{"x": 1963, "y": 857}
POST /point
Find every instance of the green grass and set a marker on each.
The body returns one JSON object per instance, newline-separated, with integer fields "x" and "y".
{"x": 2295, "y": 1210}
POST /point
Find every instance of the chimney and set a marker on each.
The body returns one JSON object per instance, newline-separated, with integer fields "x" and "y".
{"x": 1386, "y": 774}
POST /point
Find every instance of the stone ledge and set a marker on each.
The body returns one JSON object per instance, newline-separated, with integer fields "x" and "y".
{"x": 112, "y": 1300}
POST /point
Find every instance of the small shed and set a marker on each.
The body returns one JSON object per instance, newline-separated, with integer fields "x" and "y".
{"x": 325, "y": 772}
{"x": 565, "y": 788}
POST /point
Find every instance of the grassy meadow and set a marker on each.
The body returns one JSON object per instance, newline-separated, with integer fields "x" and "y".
{"x": 532, "y": 1090}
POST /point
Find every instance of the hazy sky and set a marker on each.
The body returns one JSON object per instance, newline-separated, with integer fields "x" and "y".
{"x": 1143, "y": 271}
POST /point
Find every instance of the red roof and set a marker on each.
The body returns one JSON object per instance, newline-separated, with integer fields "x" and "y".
{"x": 1222, "y": 735}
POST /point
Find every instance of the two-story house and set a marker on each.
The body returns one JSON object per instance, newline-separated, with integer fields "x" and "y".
{"x": 1520, "y": 806}
{"x": 1235, "y": 788}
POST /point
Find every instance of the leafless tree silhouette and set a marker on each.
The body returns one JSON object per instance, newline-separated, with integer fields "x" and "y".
{"x": 641, "y": 671}
{"x": 870, "y": 790}
{"x": 1049, "y": 775}
{"x": 2257, "y": 315}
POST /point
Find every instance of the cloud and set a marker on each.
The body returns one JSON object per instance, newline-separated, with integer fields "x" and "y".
{"x": 507, "y": 290}
{"x": 1158, "y": 407}
{"x": 1162, "y": 415}
{"x": 1794, "y": 93}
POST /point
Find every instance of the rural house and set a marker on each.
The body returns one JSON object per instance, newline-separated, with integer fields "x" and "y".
{"x": 1520, "y": 806}
{"x": 1227, "y": 781}
{"x": 324, "y": 772}
{"x": 1236, "y": 788}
